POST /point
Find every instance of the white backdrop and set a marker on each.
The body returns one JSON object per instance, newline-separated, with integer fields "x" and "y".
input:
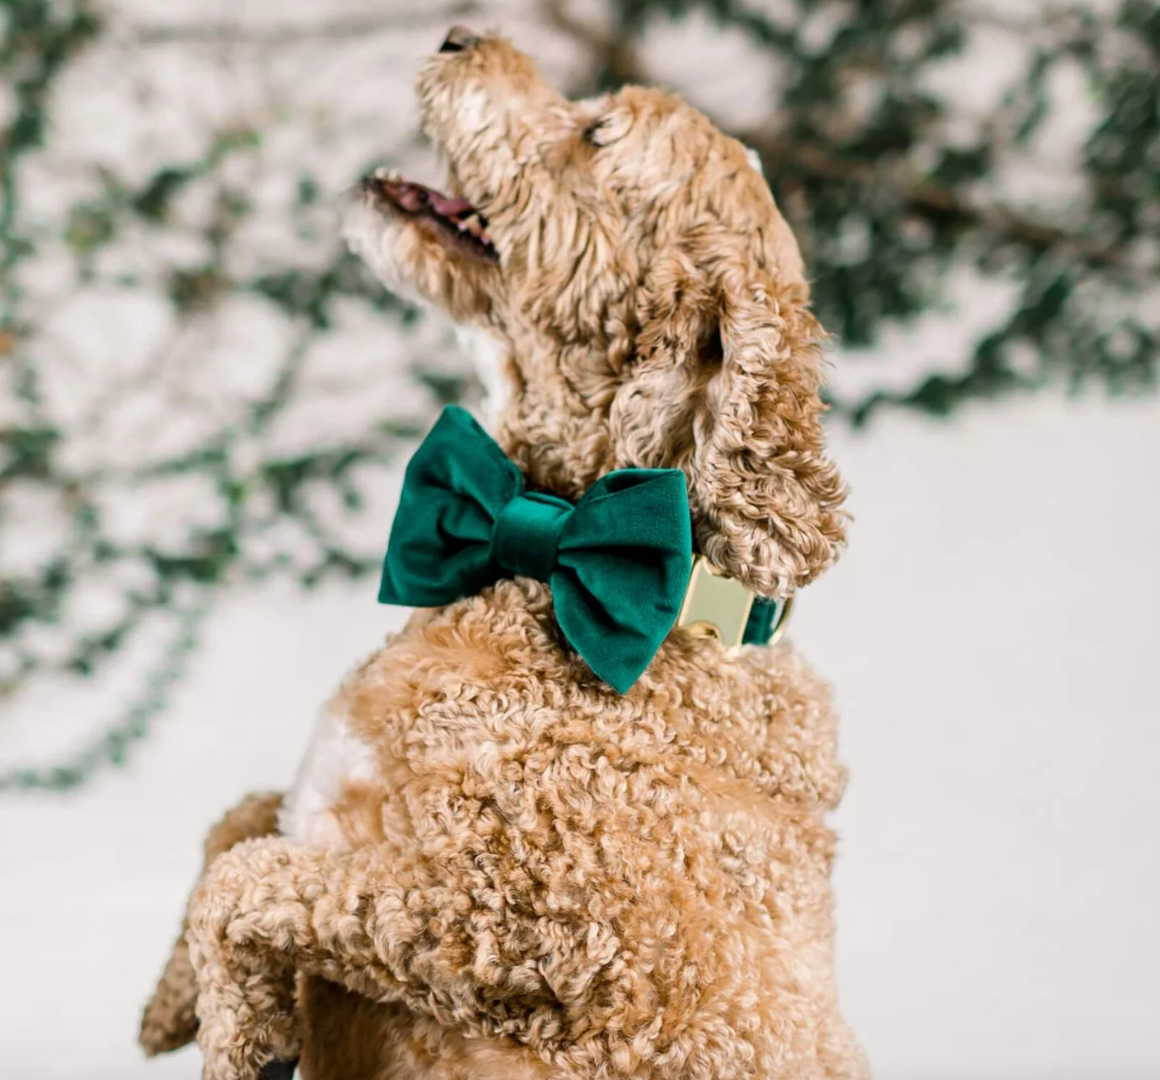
{"x": 993, "y": 633}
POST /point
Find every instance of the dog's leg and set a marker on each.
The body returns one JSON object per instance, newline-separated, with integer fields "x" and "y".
{"x": 170, "y": 1021}
{"x": 266, "y": 911}
{"x": 386, "y": 923}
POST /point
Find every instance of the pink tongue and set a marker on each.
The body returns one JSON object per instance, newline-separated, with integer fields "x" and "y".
{"x": 417, "y": 197}
{"x": 452, "y": 208}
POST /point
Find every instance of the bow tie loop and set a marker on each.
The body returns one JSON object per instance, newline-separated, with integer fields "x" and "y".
{"x": 618, "y": 561}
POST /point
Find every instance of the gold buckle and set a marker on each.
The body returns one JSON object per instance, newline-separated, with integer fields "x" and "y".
{"x": 715, "y": 605}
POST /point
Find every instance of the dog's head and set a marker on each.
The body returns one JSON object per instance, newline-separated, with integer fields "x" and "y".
{"x": 647, "y": 296}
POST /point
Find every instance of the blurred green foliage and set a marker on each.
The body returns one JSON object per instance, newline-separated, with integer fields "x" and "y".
{"x": 889, "y": 208}
{"x": 857, "y": 147}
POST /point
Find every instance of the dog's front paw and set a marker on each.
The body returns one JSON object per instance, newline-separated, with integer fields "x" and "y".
{"x": 254, "y": 1038}
{"x": 245, "y": 1061}
{"x": 245, "y": 1001}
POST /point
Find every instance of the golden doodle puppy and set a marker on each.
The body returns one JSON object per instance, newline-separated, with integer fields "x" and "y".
{"x": 494, "y": 865}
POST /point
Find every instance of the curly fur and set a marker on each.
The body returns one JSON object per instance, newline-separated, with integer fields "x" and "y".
{"x": 170, "y": 1021}
{"x": 523, "y": 874}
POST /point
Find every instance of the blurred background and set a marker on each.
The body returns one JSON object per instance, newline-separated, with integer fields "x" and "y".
{"x": 205, "y": 405}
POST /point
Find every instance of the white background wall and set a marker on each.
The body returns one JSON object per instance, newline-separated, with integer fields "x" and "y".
{"x": 993, "y": 633}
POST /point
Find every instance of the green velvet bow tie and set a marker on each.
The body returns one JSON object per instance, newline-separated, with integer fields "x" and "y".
{"x": 617, "y": 561}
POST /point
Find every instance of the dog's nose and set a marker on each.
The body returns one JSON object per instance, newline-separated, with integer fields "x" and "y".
{"x": 458, "y": 38}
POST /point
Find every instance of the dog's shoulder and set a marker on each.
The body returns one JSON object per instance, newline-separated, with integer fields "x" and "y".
{"x": 482, "y": 705}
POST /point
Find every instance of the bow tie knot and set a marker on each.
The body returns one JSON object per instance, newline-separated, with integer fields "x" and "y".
{"x": 527, "y": 535}
{"x": 617, "y": 562}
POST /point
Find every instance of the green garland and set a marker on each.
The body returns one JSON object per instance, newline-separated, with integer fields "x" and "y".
{"x": 1083, "y": 311}
{"x": 111, "y": 746}
{"x": 889, "y": 178}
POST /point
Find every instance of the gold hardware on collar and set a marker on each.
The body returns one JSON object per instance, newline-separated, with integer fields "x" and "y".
{"x": 719, "y": 607}
{"x": 715, "y": 605}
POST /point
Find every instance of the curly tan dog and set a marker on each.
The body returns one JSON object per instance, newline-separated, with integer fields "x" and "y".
{"x": 492, "y": 865}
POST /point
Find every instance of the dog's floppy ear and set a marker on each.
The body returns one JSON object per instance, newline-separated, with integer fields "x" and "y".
{"x": 726, "y": 385}
{"x": 766, "y": 499}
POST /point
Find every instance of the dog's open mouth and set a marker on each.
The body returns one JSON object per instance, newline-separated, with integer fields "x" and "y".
{"x": 456, "y": 220}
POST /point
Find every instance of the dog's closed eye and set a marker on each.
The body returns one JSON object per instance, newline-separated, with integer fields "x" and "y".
{"x": 607, "y": 128}
{"x": 591, "y": 133}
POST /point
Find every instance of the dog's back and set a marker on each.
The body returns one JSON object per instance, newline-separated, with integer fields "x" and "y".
{"x": 648, "y": 874}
